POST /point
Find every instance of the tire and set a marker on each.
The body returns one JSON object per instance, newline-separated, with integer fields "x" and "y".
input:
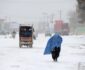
{"x": 20, "y": 45}
{"x": 30, "y": 45}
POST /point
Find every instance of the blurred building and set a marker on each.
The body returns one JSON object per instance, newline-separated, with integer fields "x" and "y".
{"x": 14, "y": 26}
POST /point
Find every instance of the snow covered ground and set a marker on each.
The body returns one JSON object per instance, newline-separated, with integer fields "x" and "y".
{"x": 72, "y": 56}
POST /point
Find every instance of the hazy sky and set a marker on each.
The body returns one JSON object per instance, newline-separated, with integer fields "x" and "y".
{"x": 28, "y": 10}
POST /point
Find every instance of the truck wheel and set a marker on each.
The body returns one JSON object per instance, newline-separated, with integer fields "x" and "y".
{"x": 30, "y": 45}
{"x": 20, "y": 45}
{"x": 27, "y": 46}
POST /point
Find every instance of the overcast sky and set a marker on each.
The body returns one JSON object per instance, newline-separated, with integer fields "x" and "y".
{"x": 26, "y": 10}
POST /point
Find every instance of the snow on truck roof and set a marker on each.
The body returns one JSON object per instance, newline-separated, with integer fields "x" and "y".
{"x": 26, "y": 24}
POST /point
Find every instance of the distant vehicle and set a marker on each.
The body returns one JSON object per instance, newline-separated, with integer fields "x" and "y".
{"x": 13, "y": 34}
{"x": 26, "y": 35}
{"x": 65, "y": 29}
{"x": 61, "y": 27}
{"x": 47, "y": 33}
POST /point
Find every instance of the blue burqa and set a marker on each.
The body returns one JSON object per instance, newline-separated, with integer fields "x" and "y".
{"x": 54, "y": 41}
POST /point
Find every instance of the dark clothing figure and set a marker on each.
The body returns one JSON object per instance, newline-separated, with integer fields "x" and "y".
{"x": 55, "y": 53}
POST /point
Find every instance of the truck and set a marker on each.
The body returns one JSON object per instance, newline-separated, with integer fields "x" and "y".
{"x": 26, "y": 35}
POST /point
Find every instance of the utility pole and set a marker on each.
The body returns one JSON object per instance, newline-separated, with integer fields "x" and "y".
{"x": 46, "y": 21}
{"x": 60, "y": 14}
{"x": 51, "y": 25}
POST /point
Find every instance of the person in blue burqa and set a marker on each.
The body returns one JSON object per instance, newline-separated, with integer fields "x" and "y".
{"x": 53, "y": 46}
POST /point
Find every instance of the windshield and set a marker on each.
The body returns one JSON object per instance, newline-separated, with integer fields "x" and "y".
{"x": 25, "y": 31}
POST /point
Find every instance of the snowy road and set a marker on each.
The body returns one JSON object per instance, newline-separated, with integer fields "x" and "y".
{"x": 14, "y": 58}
